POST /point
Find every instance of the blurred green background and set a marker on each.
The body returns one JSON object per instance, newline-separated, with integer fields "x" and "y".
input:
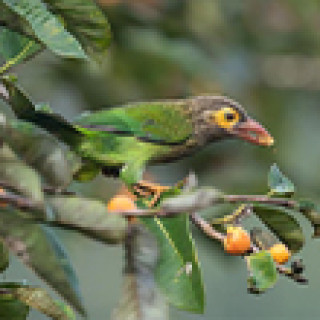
{"x": 264, "y": 54}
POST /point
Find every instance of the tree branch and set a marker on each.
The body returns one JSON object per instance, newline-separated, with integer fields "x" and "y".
{"x": 261, "y": 199}
{"x": 185, "y": 203}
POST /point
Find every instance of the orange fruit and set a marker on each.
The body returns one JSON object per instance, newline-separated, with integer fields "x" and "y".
{"x": 121, "y": 203}
{"x": 237, "y": 241}
{"x": 3, "y": 204}
{"x": 280, "y": 253}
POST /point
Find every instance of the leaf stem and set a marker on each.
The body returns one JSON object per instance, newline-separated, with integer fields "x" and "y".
{"x": 206, "y": 228}
{"x": 281, "y": 202}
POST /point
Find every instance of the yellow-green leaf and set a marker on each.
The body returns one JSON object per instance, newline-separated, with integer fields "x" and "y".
{"x": 263, "y": 270}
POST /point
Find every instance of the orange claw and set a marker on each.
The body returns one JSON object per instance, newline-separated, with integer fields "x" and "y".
{"x": 148, "y": 189}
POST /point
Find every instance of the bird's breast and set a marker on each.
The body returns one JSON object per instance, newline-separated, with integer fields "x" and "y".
{"x": 175, "y": 153}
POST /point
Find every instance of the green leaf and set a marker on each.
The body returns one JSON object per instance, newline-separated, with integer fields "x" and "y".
{"x": 67, "y": 311}
{"x": 15, "y": 48}
{"x": 42, "y": 151}
{"x": 20, "y": 176}
{"x": 278, "y": 183}
{"x": 88, "y": 216}
{"x": 10, "y": 307}
{"x": 311, "y": 212}
{"x": 47, "y": 28}
{"x": 283, "y": 225}
{"x": 85, "y": 20}
{"x": 4, "y": 258}
{"x": 13, "y": 21}
{"x": 29, "y": 242}
{"x": 263, "y": 269}
{"x": 23, "y": 107}
{"x": 178, "y": 273}
{"x": 40, "y": 300}
{"x": 63, "y": 258}
{"x": 140, "y": 297}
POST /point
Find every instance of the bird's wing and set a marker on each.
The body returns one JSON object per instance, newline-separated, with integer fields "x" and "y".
{"x": 158, "y": 122}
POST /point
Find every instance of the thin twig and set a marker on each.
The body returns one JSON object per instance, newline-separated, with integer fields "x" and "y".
{"x": 207, "y": 229}
{"x": 129, "y": 244}
{"x": 47, "y": 189}
{"x": 261, "y": 199}
{"x": 58, "y": 191}
{"x": 242, "y": 211}
{"x": 20, "y": 202}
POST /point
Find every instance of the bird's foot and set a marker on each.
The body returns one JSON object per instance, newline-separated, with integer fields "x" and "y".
{"x": 150, "y": 191}
{"x": 153, "y": 192}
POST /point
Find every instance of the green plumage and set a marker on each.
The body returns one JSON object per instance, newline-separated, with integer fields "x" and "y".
{"x": 142, "y": 132}
{"x": 128, "y": 136}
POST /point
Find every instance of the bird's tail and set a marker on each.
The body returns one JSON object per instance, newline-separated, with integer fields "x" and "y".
{"x": 25, "y": 109}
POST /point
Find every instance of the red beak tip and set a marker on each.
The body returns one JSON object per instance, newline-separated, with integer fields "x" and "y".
{"x": 254, "y": 132}
{"x": 266, "y": 140}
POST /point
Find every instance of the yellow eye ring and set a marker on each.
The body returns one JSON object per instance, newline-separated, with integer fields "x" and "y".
{"x": 226, "y": 117}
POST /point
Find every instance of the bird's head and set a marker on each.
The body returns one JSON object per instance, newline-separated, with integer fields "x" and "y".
{"x": 218, "y": 117}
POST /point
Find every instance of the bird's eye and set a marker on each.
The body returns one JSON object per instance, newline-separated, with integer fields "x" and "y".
{"x": 226, "y": 117}
{"x": 229, "y": 116}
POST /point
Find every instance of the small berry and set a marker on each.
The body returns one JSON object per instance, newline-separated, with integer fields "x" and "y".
{"x": 2, "y": 204}
{"x": 237, "y": 241}
{"x": 121, "y": 203}
{"x": 280, "y": 253}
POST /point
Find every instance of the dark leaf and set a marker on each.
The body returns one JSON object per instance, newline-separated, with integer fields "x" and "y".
{"x": 278, "y": 183}
{"x": 28, "y": 241}
{"x": 86, "y": 21}
{"x": 283, "y": 225}
{"x": 23, "y": 107}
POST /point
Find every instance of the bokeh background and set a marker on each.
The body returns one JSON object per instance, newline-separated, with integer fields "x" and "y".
{"x": 264, "y": 54}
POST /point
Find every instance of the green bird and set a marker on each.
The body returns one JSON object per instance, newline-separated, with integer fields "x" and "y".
{"x": 122, "y": 141}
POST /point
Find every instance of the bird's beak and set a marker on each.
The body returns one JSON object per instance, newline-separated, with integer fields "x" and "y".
{"x": 253, "y": 132}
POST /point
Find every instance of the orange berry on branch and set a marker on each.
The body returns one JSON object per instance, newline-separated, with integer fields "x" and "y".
{"x": 280, "y": 253}
{"x": 237, "y": 241}
{"x": 2, "y": 203}
{"x": 121, "y": 203}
